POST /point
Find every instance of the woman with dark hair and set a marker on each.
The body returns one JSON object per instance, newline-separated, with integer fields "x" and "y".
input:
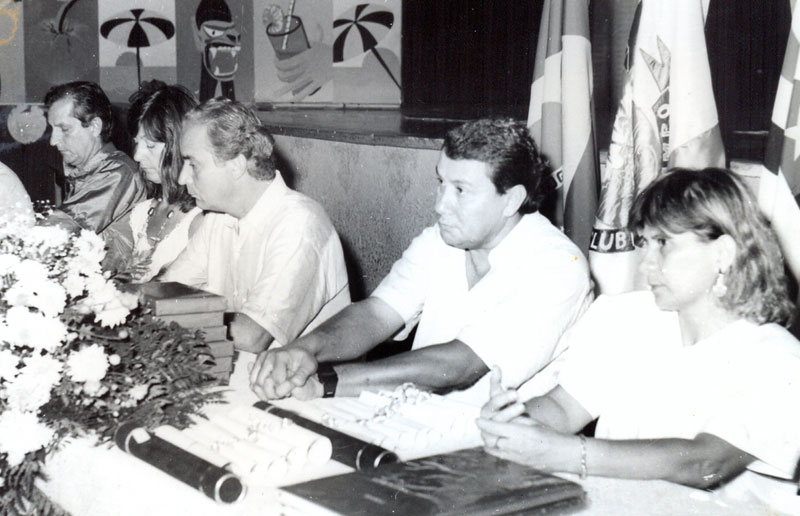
{"x": 159, "y": 228}
{"x": 695, "y": 381}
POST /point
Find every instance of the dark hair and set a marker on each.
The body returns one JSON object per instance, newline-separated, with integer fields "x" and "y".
{"x": 508, "y": 148}
{"x": 158, "y": 110}
{"x": 233, "y": 129}
{"x": 88, "y": 101}
{"x": 713, "y": 202}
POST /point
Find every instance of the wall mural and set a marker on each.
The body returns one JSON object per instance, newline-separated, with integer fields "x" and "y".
{"x": 341, "y": 51}
{"x": 60, "y": 44}
{"x": 136, "y": 44}
{"x": 219, "y": 42}
{"x": 12, "y": 58}
{"x": 279, "y": 51}
{"x": 215, "y": 47}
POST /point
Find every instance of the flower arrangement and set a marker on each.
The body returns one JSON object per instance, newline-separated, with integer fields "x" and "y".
{"x": 78, "y": 357}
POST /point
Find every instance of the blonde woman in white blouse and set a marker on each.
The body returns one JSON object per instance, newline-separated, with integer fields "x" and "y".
{"x": 695, "y": 381}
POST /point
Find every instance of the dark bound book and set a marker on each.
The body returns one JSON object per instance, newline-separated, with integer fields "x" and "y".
{"x": 221, "y": 365}
{"x": 466, "y": 482}
{"x": 215, "y": 333}
{"x": 195, "y": 320}
{"x": 170, "y": 298}
{"x": 220, "y": 348}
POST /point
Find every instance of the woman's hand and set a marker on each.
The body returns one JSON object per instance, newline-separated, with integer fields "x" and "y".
{"x": 508, "y": 432}
{"x": 503, "y": 404}
{"x": 136, "y": 267}
{"x": 138, "y": 270}
{"x": 527, "y": 442}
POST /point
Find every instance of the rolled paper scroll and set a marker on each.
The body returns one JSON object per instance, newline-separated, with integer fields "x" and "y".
{"x": 264, "y": 465}
{"x": 278, "y": 447}
{"x": 346, "y": 449}
{"x": 214, "y": 481}
{"x": 396, "y": 431}
{"x": 316, "y": 448}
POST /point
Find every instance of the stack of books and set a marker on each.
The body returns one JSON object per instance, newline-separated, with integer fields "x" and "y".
{"x": 194, "y": 309}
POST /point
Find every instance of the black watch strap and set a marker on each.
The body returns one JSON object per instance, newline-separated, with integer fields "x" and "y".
{"x": 327, "y": 376}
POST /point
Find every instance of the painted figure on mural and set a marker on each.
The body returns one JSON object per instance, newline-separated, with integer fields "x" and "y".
{"x": 356, "y": 59}
{"x": 219, "y": 42}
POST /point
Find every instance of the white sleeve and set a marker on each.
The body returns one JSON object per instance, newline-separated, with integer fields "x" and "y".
{"x": 191, "y": 266}
{"x": 405, "y": 288}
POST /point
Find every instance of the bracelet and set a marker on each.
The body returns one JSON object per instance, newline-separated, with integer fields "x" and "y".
{"x": 584, "y": 469}
{"x": 327, "y": 376}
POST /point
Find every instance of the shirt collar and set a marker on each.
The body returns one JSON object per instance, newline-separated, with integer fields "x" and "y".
{"x": 91, "y": 165}
{"x": 509, "y": 246}
{"x": 266, "y": 205}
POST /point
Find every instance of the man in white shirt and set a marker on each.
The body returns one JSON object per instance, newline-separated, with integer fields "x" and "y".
{"x": 493, "y": 282}
{"x": 272, "y": 252}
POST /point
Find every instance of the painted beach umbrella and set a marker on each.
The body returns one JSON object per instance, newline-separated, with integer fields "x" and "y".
{"x": 137, "y": 28}
{"x": 362, "y": 28}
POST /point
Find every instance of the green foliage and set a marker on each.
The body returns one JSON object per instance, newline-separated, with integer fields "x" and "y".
{"x": 159, "y": 379}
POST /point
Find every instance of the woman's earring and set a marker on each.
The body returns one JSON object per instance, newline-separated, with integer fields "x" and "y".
{"x": 719, "y": 289}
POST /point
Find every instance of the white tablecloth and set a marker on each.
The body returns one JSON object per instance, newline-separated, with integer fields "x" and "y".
{"x": 86, "y": 480}
{"x": 98, "y": 481}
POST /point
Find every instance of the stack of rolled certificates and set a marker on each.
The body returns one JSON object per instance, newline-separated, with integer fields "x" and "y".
{"x": 407, "y": 421}
{"x": 262, "y": 449}
{"x": 291, "y": 441}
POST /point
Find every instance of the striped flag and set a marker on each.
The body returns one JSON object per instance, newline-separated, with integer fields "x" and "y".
{"x": 667, "y": 117}
{"x": 780, "y": 177}
{"x": 560, "y": 114}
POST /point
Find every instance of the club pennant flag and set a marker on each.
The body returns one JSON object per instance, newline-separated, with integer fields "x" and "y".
{"x": 667, "y": 117}
{"x": 560, "y": 114}
{"x": 780, "y": 177}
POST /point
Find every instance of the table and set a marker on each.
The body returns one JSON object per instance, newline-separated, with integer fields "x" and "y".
{"x": 86, "y": 480}
{"x": 101, "y": 481}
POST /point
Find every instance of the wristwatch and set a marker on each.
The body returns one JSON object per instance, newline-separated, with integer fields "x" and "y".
{"x": 327, "y": 376}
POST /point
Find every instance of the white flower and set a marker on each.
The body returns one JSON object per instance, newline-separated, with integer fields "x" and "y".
{"x": 31, "y": 388}
{"x": 32, "y": 271}
{"x": 91, "y": 248}
{"x": 22, "y": 433}
{"x": 114, "y": 359}
{"x": 138, "y": 391}
{"x": 88, "y": 364}
{"x": 100, "y": 290}
{"x": 74, "y": 283}
{"x": 25, "y": 328}
{"x": 94, "y": 388}
{"x": 110, "y": 317}
{"x": 47, "y": 236}
{"x": 8, "y": 364}
{"x": 8, "y": 262}
{"x": 41, "y": 293}
{"x": 110, "y": 306}
{"x": 89, "y": 252}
